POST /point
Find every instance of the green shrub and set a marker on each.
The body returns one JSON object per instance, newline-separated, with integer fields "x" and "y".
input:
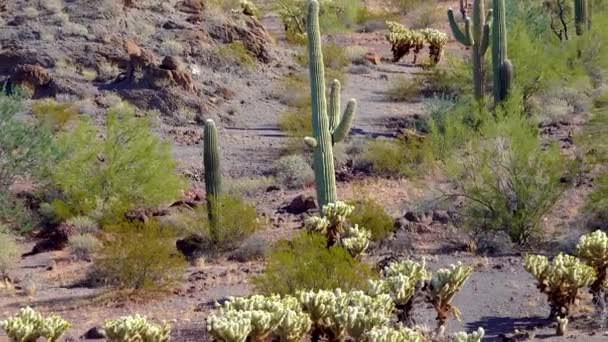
{"x": 83, "y": 225}
{"x": 105, "y": 177}
{"x": 296, "y": 123}
{"x": 405, "y": 6}
{"x": 509, "y": 181}
{"x": 293, "y": 171}
{"x": 288, "y": 90}
{"x": 237, "y": 221}
{"x": 82, "y": 246}
{"x": 307, "y": 263}
{"x": 139, "y": 256}
{"x": 8, "y": 253}
{"x": 15, "y": 215}
{"x": 237, "y": 53}
{"x": 371, "y": 215}
{"x": 247, "y": 186}
{"x": 53, "y": 114}
{"x": 428, "y": 15}
{"x": 393, "y": 158}
{"x": 405, "y": 89}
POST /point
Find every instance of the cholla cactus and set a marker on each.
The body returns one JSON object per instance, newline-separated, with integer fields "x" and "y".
{"x": 293, "y": 326}
{"x": 136, "y": 328}
{"x": 472, "y": 337}
{"x": 401, "y": 281}
{"x": 443, "y": 286}
{"x": 28, "y": 326}
{"x": 357, "y": 320}
{"x": 593, "y": 250}
{"x": 386, "y": 334}
{"x": 437, "y": 42}
{"x": 560, "y": 279}
{"x": 317, "y": 224}
{"x": 333, "y": 222}
{"x": 356, "y": 240}
{"x": 231, "y": 326}
{"x": 403, "y": 40}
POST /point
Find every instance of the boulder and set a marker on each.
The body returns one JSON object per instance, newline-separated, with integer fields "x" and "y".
{"x": 301, "y": 204}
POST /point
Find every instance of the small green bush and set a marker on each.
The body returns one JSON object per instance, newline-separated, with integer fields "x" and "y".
{"x": 15, "y": 215}
{"x": 53, "y": 114}
{"x": 105, "y": 177}
{"x": 371, "y": 215}
{"x": 237, "y": 221}
{"x": 293, "y": 171}
{"x": 307, "y": 263}
{"x": 238, "y": 53}
{"x": 8, "y": 253}
{"x": 405, "y": 89}
{"x": 82, "y": 246}
{"x": 393, "y": 158}
{"x": 288, "y": 90}
{"x": 247, "y": 186}
{"x": 83, "y": 225}
{"x": 296, "y": 123}
{"x": 139, "y": 256}
{"x": 405, "y": 6}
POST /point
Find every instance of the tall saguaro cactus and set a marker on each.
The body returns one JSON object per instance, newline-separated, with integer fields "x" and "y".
{"x": 328, "y": 126}
{"x": 503, "y": 68}
{"x": 213, "y": 178}
{"x": 476, "y": 36}
{"x": 582, "y": 13}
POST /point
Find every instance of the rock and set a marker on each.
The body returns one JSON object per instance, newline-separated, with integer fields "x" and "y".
{"x": 95, "y": 333}
{"x": 300, "y": 205}
{"x": 401, "y": 223}
{"x": 373, "y": 57}
{"x": 441, "y": 216}
{"x": 30, "y": 76}
{"x": 254, "y": 36}
{"x": 192, "y": 7}
{"x": 190, "y": 246}
{"x": 411, "y": 216}
{"x": 273, "y": 188}
{"x": 172, "y": 63}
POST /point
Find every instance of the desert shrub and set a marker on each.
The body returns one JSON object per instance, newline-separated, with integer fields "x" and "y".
{"x": 83, "y": 225}
{"x": 254, "y": 248}
{"x": 509, "y": 181}
{"x": 237, "y": 53}
{"x": 138, "y": 256}
{"x": 82, "y": 246}
{"x": 307, "y": 263}
{"x": 405, "y": 6}
{"x": 393, "y": 158}
{"x": 405, "y": 89}
{"x": 16, "y": 215}
{"x": 129, "y": 167}
{"x": 293, "y": 171}
{"x": 247, "y": 186}
{"x": 8, "y": 253}
{"x": 53, "y": 114}
{"x": 237, "y": 221}
{"x": 334, "y": 57}
{"x": 288, "y": 90}
{"x": 371, "y": 215}
{"x": 428, "y": 15}
{"x": 296, "y": 123}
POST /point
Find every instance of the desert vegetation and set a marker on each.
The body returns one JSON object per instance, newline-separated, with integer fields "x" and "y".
{"x": 303, "y": 170}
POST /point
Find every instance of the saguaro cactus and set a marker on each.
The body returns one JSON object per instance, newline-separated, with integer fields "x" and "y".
{"x": 476, "y": 36}
{"x": 213, "y": 178}
{"x": 327, "y": 129}
{"x": 503, "y": 69}
{"x": 582, "y": 13}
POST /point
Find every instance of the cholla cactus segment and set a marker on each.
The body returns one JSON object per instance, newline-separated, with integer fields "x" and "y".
{"x": 317, "y": 224}
{"x": 447, "y": 281}
{"x": 248, "y": 8}
{"x": 337, "y": 213}
{"x": 293, "y": 325}
{"x": 358, "y": 320}
{"x": 437, "y": 41}
{"x": 28, "y": 326}
{"x": 356, "y": 240}
{"x": 472, "y": 337}
{"x": 401, "y": 279}
{"x": 536, "y": 265}
{"x": 321, "y": 306}
{"x": 386, "y": 334}
{"x": 408, "y": 268}
{"x": 232, "y": 326}
{"x": 136, "y": 328}
{"x": 593, "y": 249}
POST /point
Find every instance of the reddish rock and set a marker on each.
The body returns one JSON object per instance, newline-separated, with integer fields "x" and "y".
{"x": 31, "y": 76}
{"x": 373, "y": 57}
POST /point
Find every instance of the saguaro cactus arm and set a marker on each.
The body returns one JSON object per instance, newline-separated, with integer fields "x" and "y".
{"x": 464, "y": 37}
{"x": 341, "y": 130}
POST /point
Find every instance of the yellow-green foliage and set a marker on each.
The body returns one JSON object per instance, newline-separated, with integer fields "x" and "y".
{"x": 386, "y": 334}
{"x": 238, "y": 53}
{"x": 371, "y": 215}
{"x": 394, "y": 158}
{"x": 29, "y": 326}
{"x": 136, "y": 328}
{"x": 54, "y": 114}
{"x": 560, "y": 279}
{"x": 107, "y": 174}
{"x": 138, "y": 256}
{"x": 237, "y": 221}
{"x": 593, "y": 250}
{"x": 296, "y": 123}
{"x": 307, "y": 263}
{"x": 9, "y": 252}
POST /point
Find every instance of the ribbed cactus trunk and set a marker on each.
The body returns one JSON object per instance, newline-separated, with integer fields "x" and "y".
{"x": 582, "y": 13}
{"x": 502, "y": 67}
{"x": 327, "y": 125}
{"x": 476, "y": 36}
{"x": 213, "y": 177}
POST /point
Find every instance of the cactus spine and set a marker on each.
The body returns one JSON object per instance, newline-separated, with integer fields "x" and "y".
{"x": 503, "y": 69}
{"x": 476, "y": 36}
{"x": 213, "y": 178}
{"x": 328, "y": 127}
{"x": 582, "y": 13}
